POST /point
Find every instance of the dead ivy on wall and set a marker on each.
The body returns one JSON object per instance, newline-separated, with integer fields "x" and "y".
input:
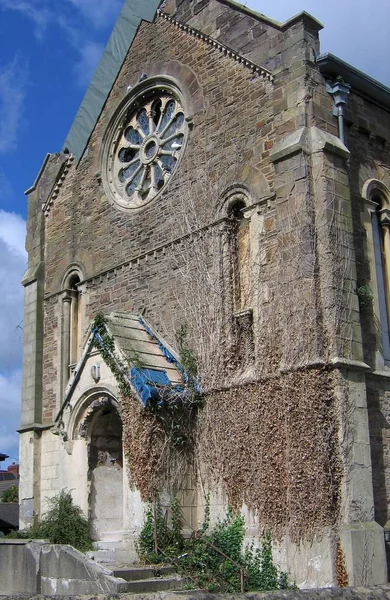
{"x": 340, "y": 567}
{"x": 159, "y": 445}
{"x": 280, "y": 456}
{"x": 158, "y": 439}
{"x": 268, "y": 430}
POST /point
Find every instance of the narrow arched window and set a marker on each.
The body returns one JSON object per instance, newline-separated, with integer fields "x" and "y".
{"x": 377, "y": 197}
{"x": 381, "y": 236}
{"x": 71, "y": 324}
{"x": 241, "y": 267}
{"x": 74, "y": 329}
{"x": 240, "y": 245}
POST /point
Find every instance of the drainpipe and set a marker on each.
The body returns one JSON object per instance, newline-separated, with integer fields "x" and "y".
{"x": 339, "y": 92}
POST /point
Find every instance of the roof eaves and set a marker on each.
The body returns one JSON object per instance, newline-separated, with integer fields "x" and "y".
{"x": 122, "y": 36}
{"x": 332, "y": 66}
{"x": 256, "y": 69}
{"x": 61, "y": 176}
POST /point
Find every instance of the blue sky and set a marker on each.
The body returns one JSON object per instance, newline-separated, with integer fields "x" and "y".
{"x": 48, "y": 52}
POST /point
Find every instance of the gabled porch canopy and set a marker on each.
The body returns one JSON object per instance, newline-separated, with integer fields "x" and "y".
{"x": 142, "y": 358}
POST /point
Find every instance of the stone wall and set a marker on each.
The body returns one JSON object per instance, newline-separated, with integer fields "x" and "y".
{"x": 37, "y": 567}
{"x": 273, "y": 138}
{"x": 352, "y": 593}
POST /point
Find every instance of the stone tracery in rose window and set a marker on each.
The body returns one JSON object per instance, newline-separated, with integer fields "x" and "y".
{"x": 147, "y": 150}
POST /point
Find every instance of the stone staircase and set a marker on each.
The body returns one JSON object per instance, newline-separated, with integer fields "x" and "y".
{"x": 136, "y": 579}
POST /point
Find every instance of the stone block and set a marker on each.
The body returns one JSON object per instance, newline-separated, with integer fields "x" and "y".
{"x": 364, "y": 548}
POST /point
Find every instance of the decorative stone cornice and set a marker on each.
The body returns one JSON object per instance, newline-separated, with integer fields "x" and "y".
{"x": 152, "y": 254}
{"x": 58, "y": 184}
{"x": 255, "y": 69}
{"x": 211, "y": 228}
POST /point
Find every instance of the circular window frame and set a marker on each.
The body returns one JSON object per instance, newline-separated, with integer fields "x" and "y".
{"x": 135, "y": 100}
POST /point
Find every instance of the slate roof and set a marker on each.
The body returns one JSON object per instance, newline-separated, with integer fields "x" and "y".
{"x": 135, "y": 337}
{"x": 154, "y": 369}
{"x": 122, "y": 36}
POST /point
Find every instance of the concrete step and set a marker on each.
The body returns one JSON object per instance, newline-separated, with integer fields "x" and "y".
{"x": 146, "y": 586}
{"x": 106, "y": 556}
{"x": 111, "y": 536}
{"x": 107, "y": 544}
{"x": 131, "y": 573}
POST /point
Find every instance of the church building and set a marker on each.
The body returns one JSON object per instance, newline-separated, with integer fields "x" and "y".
{"x": 207, "y": 299}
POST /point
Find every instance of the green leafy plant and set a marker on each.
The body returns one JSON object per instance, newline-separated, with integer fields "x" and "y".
{"x": 11, "y": 495}
{"x": 211, "y": 559}
{"x": 189, "y": 363}
{"x": 158, "y": 540}
{"x": 64, "y": 523}
{"x": 105, "y": 343}
{"x": 187, "y": 357}
{"x": 366, "y": 298}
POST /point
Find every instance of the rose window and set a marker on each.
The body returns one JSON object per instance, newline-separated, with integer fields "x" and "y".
{"x": 147, "y": 150}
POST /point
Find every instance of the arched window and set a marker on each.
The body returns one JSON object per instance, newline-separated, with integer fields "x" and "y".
{"x": 378, "y": 197}
{"x": 71, "y": 324}
{"x": 241, "y": 269}
{"x": 240, "y": 252}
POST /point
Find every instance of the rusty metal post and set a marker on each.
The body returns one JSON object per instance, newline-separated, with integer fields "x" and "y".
{"x": 155, "y": 527}
{"x": 242, "y": 580}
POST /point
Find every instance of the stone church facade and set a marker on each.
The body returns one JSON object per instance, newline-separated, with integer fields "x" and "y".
{"x": 223, "y": 195}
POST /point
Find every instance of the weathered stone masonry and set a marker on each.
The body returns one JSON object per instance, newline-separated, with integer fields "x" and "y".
{"x": 305, "y": 402}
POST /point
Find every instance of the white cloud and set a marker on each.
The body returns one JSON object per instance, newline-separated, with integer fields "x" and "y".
{"x": 10, "y": 413}
{"x": 13, "y": 82}
{"x": 13, "y": 232}
{"x": 98, "y": 14}
{"x": 12, "y": 267}
{"x": 35, "y": 11}
{"x": 90, "y": 54}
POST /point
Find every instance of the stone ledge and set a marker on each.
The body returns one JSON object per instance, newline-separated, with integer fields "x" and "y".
{"x": 310, "y": 141}
{"x": 32, "y": 274}
{"x": 352, "y": 365}
{"x": 34, "y": 427}
{"x": 352, "y": 593}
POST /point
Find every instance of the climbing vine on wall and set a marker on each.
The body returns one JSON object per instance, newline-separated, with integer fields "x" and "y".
{"x": 158, "y": 439}
{"x": 267, "y": 428}
{"x": 105, "y": 343}
{"x": 280, "y": 455}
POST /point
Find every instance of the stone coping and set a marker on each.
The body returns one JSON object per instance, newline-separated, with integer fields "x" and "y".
{"x": 353, "y": 593}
